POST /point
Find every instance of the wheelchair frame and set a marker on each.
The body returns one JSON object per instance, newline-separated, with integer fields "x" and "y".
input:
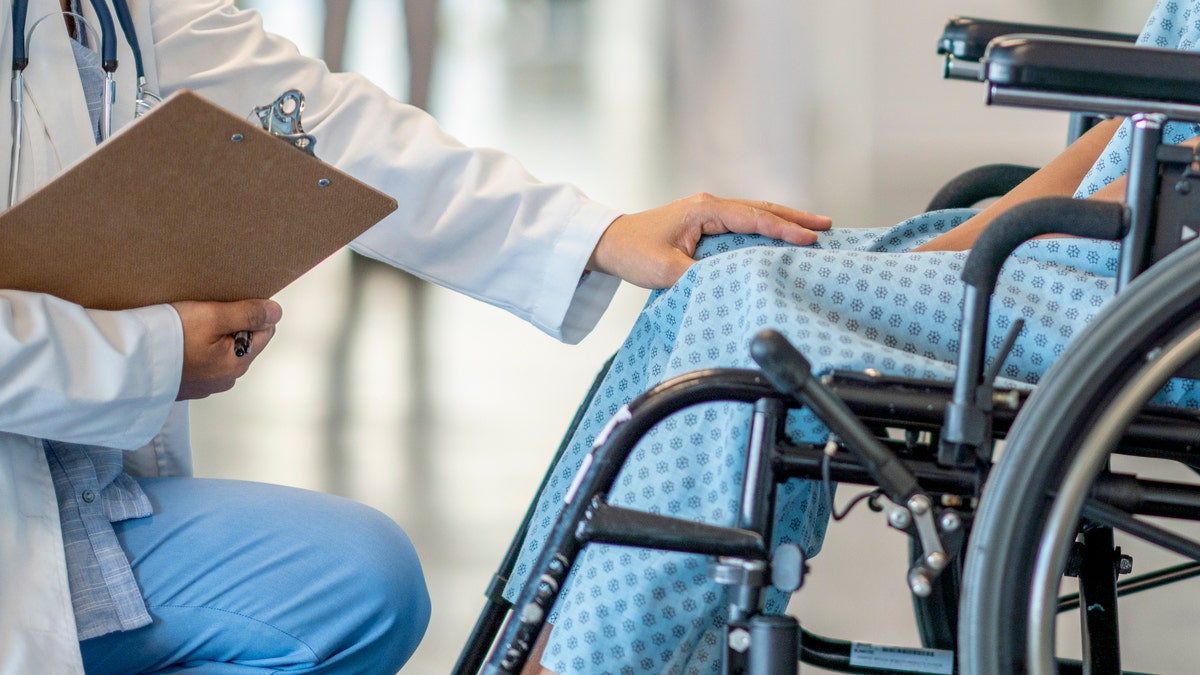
{"x": 936, "y": 480}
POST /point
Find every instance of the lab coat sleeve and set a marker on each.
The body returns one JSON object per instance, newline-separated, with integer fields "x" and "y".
{"x": 470, "y": 219}
{"x": 87, "y": 376}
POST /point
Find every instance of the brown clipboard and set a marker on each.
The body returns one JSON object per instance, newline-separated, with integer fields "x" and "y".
{"x": 188, "y": 203}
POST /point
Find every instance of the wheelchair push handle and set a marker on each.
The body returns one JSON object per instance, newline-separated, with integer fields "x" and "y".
{"x": 789, "y": 372}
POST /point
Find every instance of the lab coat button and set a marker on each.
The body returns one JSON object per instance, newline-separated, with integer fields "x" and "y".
{"x": 88, "y": 496}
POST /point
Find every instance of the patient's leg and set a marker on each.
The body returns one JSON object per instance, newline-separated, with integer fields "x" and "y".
{"x": 534, "y": 665}
{"x": 651, "y": 612}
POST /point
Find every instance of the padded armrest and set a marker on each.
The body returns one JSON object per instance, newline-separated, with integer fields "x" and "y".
{"x": 967, "y": 38}
{"x": 1093, "y": 68}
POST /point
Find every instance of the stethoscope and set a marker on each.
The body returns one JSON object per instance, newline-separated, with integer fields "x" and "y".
{"x": 144, "y": 99}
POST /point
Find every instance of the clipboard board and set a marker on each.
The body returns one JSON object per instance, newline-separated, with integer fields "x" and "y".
{"x": 188, "y": 203}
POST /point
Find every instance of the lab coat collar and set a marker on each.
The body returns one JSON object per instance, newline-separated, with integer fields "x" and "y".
{"x": 68, "y": 126}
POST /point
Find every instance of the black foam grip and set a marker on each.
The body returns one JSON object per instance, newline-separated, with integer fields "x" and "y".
{"x": 1048, "y": 215}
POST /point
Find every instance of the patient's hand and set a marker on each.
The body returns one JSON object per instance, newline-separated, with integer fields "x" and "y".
{"x": 209, "y": 363}
{"x": 652, "y": 249}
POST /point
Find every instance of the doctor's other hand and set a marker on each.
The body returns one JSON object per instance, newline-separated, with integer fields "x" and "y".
{"x": 210, "y": 365}
{"x": 653, "y": 248}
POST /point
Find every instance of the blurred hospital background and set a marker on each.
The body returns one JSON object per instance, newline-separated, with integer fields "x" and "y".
{"x": 443, "y": 412}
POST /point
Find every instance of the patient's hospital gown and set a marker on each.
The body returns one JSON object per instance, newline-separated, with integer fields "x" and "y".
{"x": 855, "y": 300}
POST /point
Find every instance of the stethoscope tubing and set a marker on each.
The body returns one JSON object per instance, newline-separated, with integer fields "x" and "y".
{"x": 108, "y": 63}
{"x": 108, "y": 33}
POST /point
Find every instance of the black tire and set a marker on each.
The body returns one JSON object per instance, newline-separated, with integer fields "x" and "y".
{"x": 1104, "y": 360}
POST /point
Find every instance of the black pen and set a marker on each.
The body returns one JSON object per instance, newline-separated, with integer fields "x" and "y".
{"x": 241, "y": 343}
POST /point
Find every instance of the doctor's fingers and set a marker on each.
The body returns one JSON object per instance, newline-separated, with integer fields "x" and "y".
{"x": 745, "y": 216}
{"x": 259, "y": 339}
{"x": 805, "y": 219}
{"x": 214, "y": 324}
{"x": 211, "y": 343}
{"x": 213, "y": 367}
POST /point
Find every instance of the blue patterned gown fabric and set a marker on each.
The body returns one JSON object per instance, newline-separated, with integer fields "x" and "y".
{"x": 858, "y": 299}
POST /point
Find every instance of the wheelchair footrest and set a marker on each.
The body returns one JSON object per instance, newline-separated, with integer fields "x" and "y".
{"x": 607, "y": 524}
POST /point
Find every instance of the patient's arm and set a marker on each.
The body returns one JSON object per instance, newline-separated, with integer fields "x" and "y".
{"x": 1059, "y": 178}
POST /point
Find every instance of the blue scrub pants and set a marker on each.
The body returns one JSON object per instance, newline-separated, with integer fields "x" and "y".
{"x": 245, "y": 578}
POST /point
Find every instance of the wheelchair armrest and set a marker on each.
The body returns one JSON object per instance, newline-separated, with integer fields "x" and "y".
{"x": 1047, "y": 215}
{"x": 975, "y": 185}
{"x": 1104, "y": 77}
{"x": 965, "y": 39}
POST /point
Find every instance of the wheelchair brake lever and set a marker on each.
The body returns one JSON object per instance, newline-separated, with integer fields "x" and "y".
{"x": 787, "y": 369}
{"x": 790, "y": 373}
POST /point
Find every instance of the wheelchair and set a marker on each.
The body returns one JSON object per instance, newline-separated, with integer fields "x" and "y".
{"x": 992, "y": 533}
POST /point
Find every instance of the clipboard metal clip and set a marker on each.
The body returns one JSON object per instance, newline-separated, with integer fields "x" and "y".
{"x": 282, "y": 119}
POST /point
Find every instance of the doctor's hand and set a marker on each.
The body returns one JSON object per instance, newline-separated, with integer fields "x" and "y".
{"x": 652, "y": 249}
{"x": 209, "y": 363}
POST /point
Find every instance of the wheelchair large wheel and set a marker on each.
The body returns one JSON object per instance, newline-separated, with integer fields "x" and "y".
{"x": 1030, "y": 510}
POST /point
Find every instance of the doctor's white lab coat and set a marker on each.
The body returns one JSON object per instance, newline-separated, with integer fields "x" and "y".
{"x": 471, "y": 220}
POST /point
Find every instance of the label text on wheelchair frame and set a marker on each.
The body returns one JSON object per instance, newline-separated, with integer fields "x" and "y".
{"x": 906, "y": 659}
